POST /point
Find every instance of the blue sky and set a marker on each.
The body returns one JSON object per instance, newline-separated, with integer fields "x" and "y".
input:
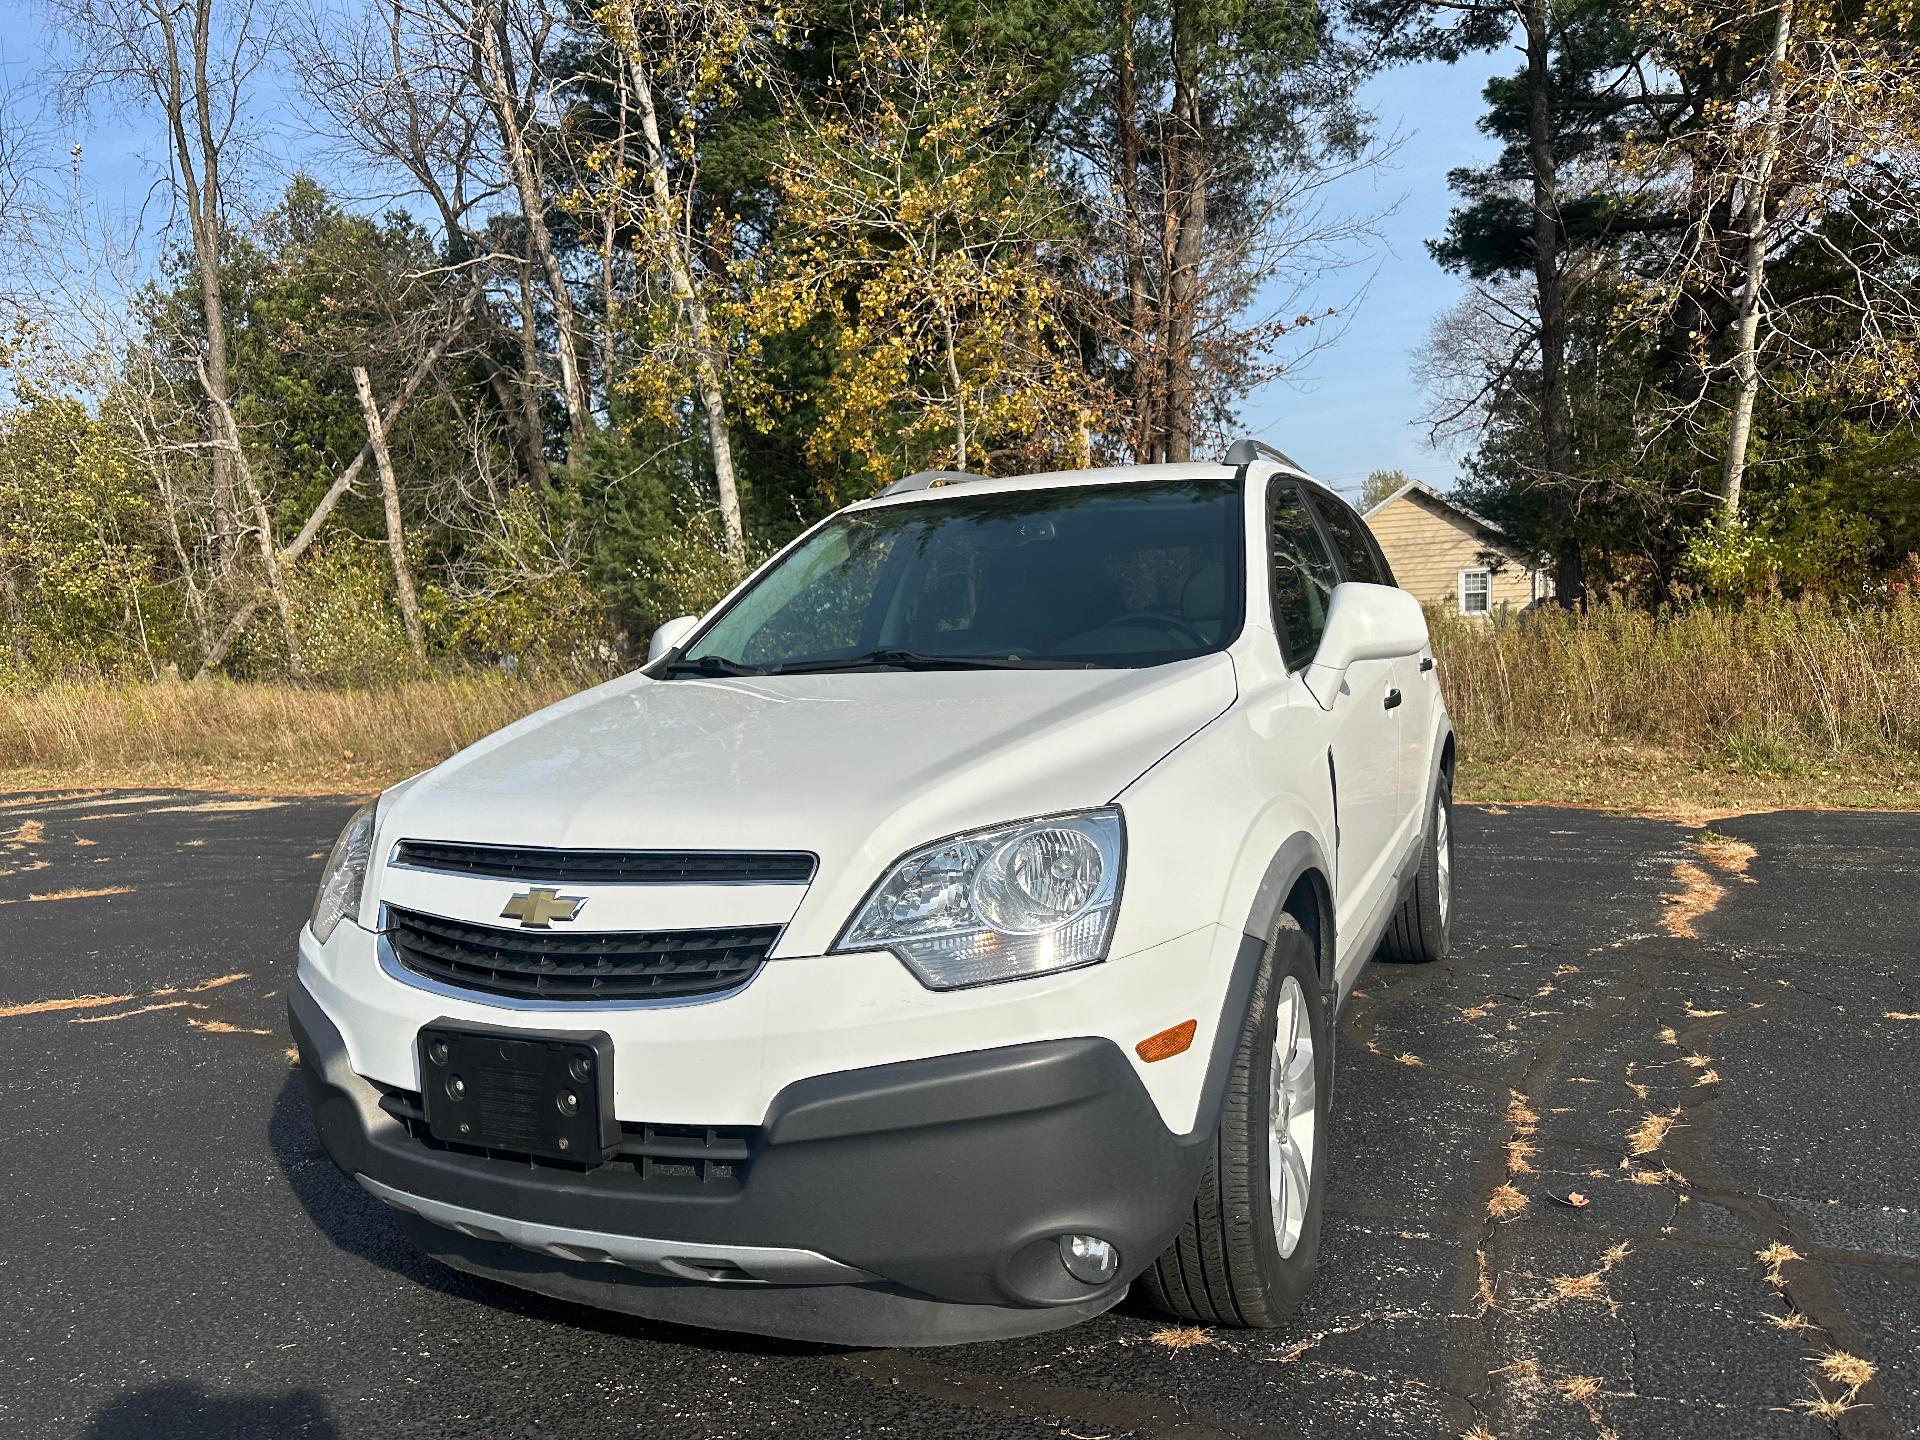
{"x": 1356, "y": 406}
{"x": 1353, "y": 409}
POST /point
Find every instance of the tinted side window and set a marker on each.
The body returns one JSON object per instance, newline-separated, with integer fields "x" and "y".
{"x": 1351, "y": 540}
{"x": 1303, "y": 573}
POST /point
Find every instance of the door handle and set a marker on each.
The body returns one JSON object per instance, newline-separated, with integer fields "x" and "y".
{"x": 1393, "y": 699}
{"x": 1426, "y": 663}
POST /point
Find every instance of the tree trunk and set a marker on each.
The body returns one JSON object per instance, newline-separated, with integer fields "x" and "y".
{"x": 187, "y": 97}
{"x": 511, "y": 399}
{"x": 608, "y": 299}
{"x": 10, "y": 604}
{"x": 344, "y": 481}
{"x": 694, "y": 311}
{"x": 505, "y": 106}
{"x": 959, "y": 395}
{"x": 1556, "y": 438}
{"x": 1133, "y": 237}
{"x": 531, "y": 419}
{"x": 1746, "y": 331}
{"x": 262, "y": 526}
{"x": 1187, "y": 204}
{"x": 390, "y": 495}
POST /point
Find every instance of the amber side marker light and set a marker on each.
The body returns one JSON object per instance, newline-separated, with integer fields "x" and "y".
{"x": 1170, "y": 1042}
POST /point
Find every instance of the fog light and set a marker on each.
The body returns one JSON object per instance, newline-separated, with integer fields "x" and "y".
{"x": 1089, "y": 1259}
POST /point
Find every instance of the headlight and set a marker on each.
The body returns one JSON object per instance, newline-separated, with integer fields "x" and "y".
{"x": 999, "y": 904}
{"x": 346, "y": 872}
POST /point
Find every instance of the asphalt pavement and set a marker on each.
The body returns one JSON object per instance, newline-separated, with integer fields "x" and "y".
{"x": 1714, "y": 1043}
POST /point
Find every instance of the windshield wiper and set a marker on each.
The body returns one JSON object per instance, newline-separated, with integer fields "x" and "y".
{"x": 910, "y": 660}
{"x": 711, "y": 665}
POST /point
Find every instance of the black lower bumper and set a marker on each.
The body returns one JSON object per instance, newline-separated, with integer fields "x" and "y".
{"x": 948, "y": 1179}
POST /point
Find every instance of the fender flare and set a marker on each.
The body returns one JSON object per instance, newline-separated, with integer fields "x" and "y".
{"x": 1298, "y": 855}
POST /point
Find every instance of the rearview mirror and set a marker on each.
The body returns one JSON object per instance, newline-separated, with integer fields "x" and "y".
{"x": 1364, "y": 622}
{"x": 670, "y": 635}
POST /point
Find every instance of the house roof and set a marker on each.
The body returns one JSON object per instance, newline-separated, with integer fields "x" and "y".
{"x": 1437, "y": 498}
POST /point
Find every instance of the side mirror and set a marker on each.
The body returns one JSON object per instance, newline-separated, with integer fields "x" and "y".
{"x": 670, "y": 635}
{"x": 1364, "y": 622}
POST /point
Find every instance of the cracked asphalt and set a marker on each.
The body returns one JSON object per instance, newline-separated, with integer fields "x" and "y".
{"x": 1715, "y": 1042}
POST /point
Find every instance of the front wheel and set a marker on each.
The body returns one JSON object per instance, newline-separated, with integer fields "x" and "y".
{"x": 1422, "y": 929}
{"x": 1251, "y": 1247}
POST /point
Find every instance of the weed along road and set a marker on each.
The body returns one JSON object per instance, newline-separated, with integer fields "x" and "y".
{"x": 1640, "y": 1159}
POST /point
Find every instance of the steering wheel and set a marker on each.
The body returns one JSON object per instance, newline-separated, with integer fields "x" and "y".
{"x": 1172, "y": 624}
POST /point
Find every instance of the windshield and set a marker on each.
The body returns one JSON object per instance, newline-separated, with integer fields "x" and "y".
{"x": 1095, "y": 575}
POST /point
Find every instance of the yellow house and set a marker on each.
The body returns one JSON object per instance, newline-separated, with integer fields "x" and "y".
{"x": 1450, "y": 557}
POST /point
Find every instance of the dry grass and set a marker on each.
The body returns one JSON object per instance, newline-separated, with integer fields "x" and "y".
{"x": 1698, "y": 894}
{"x": 1724, "y": 852}
{"x": 272, "y": 738}
{"x": 70, "y": 1002}
{"x": 1591, "y": 1286}
{"x": 223, "y": 1027}
{"x": 1651, "y": 1133}
{"x": 1848, "y": 1373}
{"x": 1505, "y": 1203}
{"x": 1181, "y": 1337}
{"x": 1809, "y": 704}
{"x": 76, "y": 892}
{"x": 1776, "y": 1257}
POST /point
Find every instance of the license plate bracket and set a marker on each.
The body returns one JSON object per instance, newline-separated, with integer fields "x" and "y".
{"x": 531, "y": 1092}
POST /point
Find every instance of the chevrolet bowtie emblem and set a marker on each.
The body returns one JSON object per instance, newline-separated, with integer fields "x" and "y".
{"x": 538, "y": 908}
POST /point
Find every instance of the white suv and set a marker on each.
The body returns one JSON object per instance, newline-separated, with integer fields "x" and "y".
{"x": 941, "y": 934}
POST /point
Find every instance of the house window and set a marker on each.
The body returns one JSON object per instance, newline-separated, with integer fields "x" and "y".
{"x": 1476, "y": 592}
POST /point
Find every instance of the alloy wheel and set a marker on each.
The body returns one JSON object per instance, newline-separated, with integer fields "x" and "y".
{"x": 1293, "y": 1116}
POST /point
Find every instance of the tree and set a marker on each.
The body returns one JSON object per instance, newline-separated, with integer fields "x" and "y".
{"x": 1209, "y": 134}
{"x": 1582, "y": 70}
{"x": 1809, "y": 162}
{"x": 918, "y": 226}
{"x": 191, "y": 63}
{"x": 1379, "y": 484}
{"x": 684, "y": 64}
{"x": 509, "y": 39}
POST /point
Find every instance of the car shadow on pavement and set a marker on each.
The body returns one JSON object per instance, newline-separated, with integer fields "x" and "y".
{"x": 362, "y": 1227}
{"x": 340, "y": 1210}
{"x": 180, "y": 1408}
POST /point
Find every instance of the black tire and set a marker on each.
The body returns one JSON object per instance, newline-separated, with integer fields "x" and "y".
{"x": 1422, "y": 928}
{"x": 1226, "y": 1267}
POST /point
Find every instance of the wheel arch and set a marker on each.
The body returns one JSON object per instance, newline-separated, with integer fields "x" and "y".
{"x": 1295, "y": 884}
{"x": 1310, "y": 905}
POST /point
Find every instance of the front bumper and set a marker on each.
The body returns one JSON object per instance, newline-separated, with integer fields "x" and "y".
{"x": 915, "y": 1202}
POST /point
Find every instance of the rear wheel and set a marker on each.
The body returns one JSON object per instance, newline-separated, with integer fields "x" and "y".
{"x": 1251, "y": 1246}
{"x": 1422, "y": 929}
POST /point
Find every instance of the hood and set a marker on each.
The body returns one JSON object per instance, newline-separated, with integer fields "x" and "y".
{"x": 856, "y": 768}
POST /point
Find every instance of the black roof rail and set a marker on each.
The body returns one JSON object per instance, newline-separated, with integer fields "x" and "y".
{"x": 930, "y": 480}
{"x": 1245, "y": 452}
